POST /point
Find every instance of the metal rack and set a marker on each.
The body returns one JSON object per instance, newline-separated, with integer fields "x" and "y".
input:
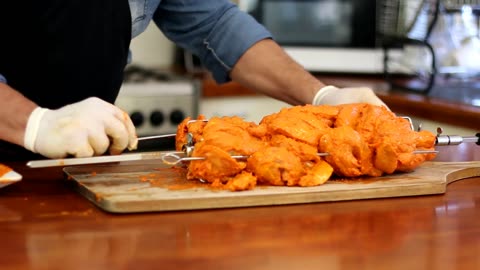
{"x": 407, "y": 18}
{"x": 409, "y": 24}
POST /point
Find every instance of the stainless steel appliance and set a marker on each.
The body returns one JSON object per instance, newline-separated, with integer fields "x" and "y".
{"x": 156, "y": 101}
{"x": 441, "y": 45}
{"x": 324, "y": 35}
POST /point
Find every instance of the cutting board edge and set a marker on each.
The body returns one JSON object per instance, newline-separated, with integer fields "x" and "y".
{"x": 258, "y": 201}
{"x": 462, "y": 174}
{"x": 457, "y": 171}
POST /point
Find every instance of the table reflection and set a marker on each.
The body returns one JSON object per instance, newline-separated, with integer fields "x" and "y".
{"x": 81, "y": 249}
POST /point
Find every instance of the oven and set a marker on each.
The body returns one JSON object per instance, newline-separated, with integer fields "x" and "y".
{"x": 157, "y": 101}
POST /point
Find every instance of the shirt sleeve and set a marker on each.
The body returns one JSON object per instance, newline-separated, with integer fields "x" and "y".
{"x": 214, "y": 30}
{"x": 3, "y": 79}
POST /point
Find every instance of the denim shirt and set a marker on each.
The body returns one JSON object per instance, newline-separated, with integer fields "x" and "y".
{"x": 214, "y": 30}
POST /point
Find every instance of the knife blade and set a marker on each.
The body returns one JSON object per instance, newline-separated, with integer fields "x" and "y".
{"x": 98, "y": 159}
{"x": 154, "y": 137}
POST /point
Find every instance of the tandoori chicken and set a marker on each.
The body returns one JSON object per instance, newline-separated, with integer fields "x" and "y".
{"x": 282, "y": 150}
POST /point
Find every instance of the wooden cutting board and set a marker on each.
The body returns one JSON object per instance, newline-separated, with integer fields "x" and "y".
{"x": 147, "y": 187}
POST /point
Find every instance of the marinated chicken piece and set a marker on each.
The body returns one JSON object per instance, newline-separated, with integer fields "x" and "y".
{"x": 232, "y": 135}
{"x": 377, "y": 143}
{"x": 4, "y": 169}
{"x": 189, "y": 126}
{"x": 386, "y": 158}
{"x": 276, "y": 166}
{"x": 242, "y": 181}
{"x": 217, "y": 167}
{"x": 318, "y": 174}
{"x": 360, "y": 139}
{"x": 181, "y": 135}
{"x": 302, "y": 123}
{"x": 349, "y": 154}
{"x": 348, "y": 115}
{"x": 302, "y": 150}
{"x": 423, "y": 140}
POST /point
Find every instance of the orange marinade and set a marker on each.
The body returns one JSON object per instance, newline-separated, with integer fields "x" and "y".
{"x": 4, "y": 169}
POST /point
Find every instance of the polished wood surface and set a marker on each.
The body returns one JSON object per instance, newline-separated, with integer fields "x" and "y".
{"x": 45, "y": 224}
{"x": 154, "y": 187}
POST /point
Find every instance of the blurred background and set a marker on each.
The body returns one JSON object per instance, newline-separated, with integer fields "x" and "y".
{"x": 429, "y": 48}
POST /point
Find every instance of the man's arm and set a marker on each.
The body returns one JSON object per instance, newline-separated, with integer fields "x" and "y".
{"x": 232, "y": 45}
{"x": 14, "y": 112}
{"x": 266, "y": 68}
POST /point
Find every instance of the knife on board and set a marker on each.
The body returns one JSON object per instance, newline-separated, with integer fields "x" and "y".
{"x": 107, "y": 158}
{"x": 159, "y": 155}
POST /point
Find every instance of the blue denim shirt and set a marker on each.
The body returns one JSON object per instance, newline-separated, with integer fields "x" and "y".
{"x": 214, "y": 30}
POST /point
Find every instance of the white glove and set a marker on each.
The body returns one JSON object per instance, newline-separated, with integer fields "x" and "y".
{"x": 82, "y": 129}
{"x": 331, "y": 95}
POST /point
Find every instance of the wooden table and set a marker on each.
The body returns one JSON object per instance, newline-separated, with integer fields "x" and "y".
{"x": 44, "y": 224}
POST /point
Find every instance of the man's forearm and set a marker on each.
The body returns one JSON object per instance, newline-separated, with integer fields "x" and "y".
{"x": 14, "y": 112}
{"x": 267, "y": 69}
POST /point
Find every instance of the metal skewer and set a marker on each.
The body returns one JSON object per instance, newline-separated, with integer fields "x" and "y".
{"x": 174, "y": 158}
{"x": 455, "y": 139}
{"x": 156, "y": 137}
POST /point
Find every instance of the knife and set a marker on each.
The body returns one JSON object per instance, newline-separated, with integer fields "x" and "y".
{"x": 105, "y": 159}
{"x": 154, "y": 137}
{"x": 98, "y": 159}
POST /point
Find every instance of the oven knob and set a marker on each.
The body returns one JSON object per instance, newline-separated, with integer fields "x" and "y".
{"x": 157, "y": 118}
{"x": 176, "y": 117}
{"x": 137, "y": 118}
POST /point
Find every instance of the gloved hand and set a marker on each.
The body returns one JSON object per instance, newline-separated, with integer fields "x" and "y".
{"x": 82, "y": 129}
{"x": 331, "y": 95}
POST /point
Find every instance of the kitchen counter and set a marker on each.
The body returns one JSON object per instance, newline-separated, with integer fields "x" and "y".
{"x": 434, "y": 107}
{"x": 45, "y": 224}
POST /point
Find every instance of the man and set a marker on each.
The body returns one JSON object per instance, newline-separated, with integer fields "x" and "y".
{"x": 62, "y": 67}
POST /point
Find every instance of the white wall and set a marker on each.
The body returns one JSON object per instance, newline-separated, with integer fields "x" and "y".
{"x": 152, "y": 49}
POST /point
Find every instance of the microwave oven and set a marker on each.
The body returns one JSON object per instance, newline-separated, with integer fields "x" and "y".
{"x": 324, "y": 35}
